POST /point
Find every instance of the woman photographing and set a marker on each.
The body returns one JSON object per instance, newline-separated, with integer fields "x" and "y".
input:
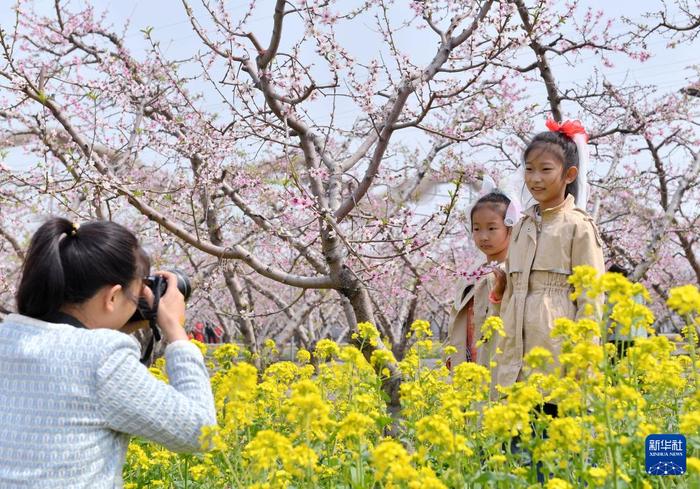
{"x": 72, "y": 388}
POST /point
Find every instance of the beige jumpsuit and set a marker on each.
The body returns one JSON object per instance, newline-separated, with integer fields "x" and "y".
{"x": 478, "y": 293}
{"x": 541, "y": 256}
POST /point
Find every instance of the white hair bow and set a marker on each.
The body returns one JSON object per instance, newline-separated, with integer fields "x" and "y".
{"x": 514, "y": 208}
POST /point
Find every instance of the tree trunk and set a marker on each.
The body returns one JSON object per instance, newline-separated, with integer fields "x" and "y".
{"x": 245, "y": 325}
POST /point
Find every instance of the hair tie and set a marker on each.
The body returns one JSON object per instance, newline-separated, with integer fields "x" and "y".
{"x": 568, "y": 128}
{"x": 74, "y": 228}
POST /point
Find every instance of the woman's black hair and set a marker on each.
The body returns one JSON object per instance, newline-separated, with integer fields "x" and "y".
{"x": 67, "y": 264}
{"x": 493, "y": 200}
{"x": 562, "y": 147}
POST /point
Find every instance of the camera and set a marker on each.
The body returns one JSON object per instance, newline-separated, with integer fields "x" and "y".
{"x": 159, "y": 285}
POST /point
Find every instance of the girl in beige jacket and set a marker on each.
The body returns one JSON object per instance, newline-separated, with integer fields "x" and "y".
{"x": 551, "y": 239}
{"x": 491, "y": 223}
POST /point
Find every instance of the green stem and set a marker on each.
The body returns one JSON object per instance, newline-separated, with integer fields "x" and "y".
{"x": 187, "y": 471}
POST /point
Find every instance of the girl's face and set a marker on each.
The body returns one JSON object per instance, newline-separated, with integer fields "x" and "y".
{"x": 546, "y": 179}
{"x": 490, "y": 234}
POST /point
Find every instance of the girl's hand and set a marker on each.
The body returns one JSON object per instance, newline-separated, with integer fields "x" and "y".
{"x": 500, "y": 287}
{"x": 171, "y": 309}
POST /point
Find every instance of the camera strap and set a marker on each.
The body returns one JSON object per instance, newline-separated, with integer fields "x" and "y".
{"x": 58, "y": 317}
{"x": 152, "y": 316}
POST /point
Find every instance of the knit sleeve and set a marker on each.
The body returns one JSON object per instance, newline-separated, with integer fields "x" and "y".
{"x": 133, "y": 401}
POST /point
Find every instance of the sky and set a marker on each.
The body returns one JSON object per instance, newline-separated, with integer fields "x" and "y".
{"x": 171, "y": 27}
{"x": 666, "y": 68}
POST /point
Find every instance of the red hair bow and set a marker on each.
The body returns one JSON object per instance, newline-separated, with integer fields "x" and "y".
{"x": 567, "y": 128}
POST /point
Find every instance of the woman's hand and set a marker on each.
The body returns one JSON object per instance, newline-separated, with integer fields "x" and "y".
{"x": 500, "y": 287}
{"x": 171, "y": 309}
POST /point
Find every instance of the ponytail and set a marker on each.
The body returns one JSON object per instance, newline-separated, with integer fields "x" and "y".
{"x": 67, "y": 264}
{"x": 43, "y": 282}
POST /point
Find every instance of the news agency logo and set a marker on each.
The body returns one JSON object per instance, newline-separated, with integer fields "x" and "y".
{"x": 665, "y": 454}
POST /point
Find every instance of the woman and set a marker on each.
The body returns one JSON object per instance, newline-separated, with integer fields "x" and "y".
{"x": 72, "y": 388}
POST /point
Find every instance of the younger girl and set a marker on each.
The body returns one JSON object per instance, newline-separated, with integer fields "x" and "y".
{"x": 551, "y": 239}
{"x": 492, "y": 218}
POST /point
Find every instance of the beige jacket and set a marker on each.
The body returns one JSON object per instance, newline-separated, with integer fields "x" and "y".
{"x": 457, "y": 331}
{"x": 540, "y": 258}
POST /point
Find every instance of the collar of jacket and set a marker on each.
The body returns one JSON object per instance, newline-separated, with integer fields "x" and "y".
{"x": 569, "y": 203}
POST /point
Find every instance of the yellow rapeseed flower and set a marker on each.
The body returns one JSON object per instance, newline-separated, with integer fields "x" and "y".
{"x": 566, "y": 433}
{"x": 303, "y": 425}
{"x": 585, "y": 281}
{"x": 227, "y": 352}
{"x": 492, "y": 325}
{"x": 684, "y": 300}
{"x": 356, "y": 425}
{"x": 538, "y": 358}
{"x": 556, "y": 483}
{"x": 302, "y": 459}
{"x": 435, "y": 430}
{"x": 270, "y": 345}
{"x": 420, "y": 329}
{"x": 367, "y": 332}
{"x": 524, "y": 395}
{"x": 303, "y": 356}
{"x": 426, "y": 480}
{"x": 306, "y": 411}
{"x": 197, "y": 472}
{"x": 471, "y": 382}
{"x": 575, "y": 331}
{"x": 391, "y": 462}
{"x": 268, "y": 450}
{"x": 282, "y": 372}
{"x": 326, "y": 349}
{"x": 690, "y": 423}
{"x": 211, "y": 439}
{"x": 159, "y": 372}
{"x": 693, "y": 464}
{"x": 506, "y": 421}
{"x": 137, "y": 457}
{"x": 423, "y": 348}
{"x": 497, "y": 460}
{"x": 629, "y": 313}
{"x": 380, "y": 358}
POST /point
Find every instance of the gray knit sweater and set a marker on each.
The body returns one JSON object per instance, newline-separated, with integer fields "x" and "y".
{"x": 69, "y": 398}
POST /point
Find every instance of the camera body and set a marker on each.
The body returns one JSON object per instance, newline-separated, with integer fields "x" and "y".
{"x": 159, "y": 285}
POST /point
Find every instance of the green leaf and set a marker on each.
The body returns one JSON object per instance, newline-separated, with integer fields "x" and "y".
{"x": 493, "y": 477}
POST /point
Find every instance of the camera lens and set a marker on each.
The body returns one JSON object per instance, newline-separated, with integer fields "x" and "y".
{"x": 143, "y": 311}
{"x": 183, "y": 283}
